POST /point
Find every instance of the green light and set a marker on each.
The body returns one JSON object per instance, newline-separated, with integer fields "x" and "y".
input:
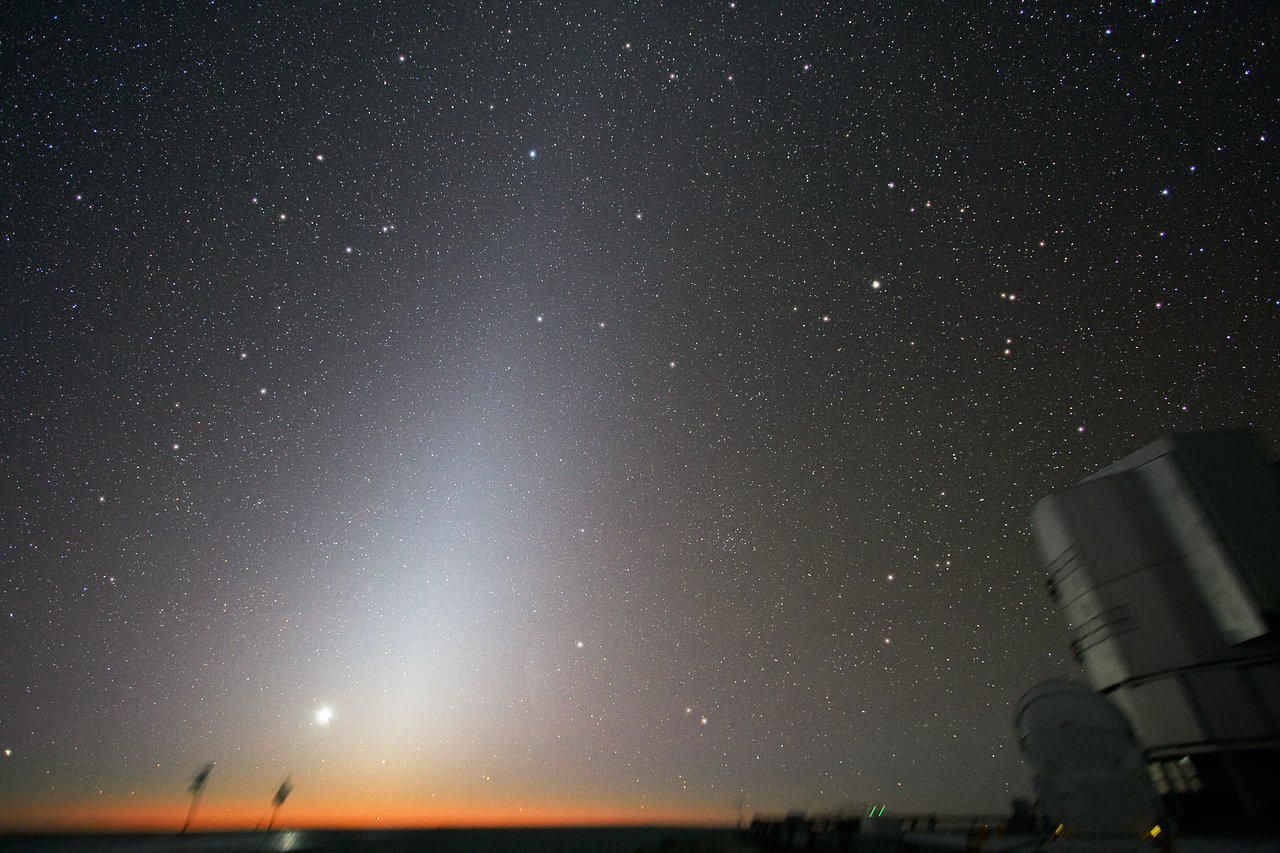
{"x": 881, "y": 810}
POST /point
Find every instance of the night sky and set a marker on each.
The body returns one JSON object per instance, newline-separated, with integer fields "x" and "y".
{"x": 606, "y": 411}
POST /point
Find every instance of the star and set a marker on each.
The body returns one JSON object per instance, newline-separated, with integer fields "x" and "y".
{"x": 324, "y": 715}
{"x": 533, "y": 153}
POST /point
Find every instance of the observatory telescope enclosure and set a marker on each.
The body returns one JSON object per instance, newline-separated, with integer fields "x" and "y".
{"x": 1167, "y": 567}
{"x": 1089, "y": 774}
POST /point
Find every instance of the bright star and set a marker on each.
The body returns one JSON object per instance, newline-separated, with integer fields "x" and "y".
{"x": 324, "y": 716}
{"x": 533, "y": 153}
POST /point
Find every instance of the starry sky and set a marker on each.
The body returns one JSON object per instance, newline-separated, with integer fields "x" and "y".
{"x": 532, "y": 412}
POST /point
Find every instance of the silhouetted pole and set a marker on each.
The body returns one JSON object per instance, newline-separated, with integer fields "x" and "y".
{"x": 196, "y": 789}
{"x": 278, "y": 800}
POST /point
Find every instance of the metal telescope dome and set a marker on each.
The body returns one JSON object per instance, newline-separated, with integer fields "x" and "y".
{"x": 1089, "y": 774}
{"x": 1059, "y": 703}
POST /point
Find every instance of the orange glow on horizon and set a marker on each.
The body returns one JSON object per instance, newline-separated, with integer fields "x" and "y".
{"x": 167, "y": 816}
